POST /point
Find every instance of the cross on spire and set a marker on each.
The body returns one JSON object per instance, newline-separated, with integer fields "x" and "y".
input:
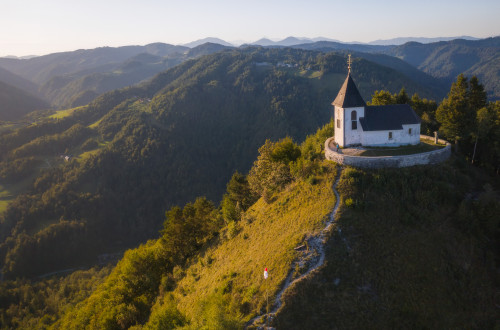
{"x": 349, "y": 62}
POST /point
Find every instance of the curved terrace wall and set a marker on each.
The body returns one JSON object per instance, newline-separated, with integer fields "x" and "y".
{"x": 430, "y": 157}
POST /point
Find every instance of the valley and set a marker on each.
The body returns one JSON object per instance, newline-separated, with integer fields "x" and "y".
{"x": 201, "y": 165}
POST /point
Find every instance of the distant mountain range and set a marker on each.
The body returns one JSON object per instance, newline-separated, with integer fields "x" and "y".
{"x": 75, "y": 78}
{"x": 292, "y": 41}
{"x": 422, "y": 40}
{"x": 199, "y": 42}
{"x": 214, "y": 110}
{"x": 445, "y": 60}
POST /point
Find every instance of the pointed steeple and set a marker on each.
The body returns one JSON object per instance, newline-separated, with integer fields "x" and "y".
{"x": 349, "y": 96}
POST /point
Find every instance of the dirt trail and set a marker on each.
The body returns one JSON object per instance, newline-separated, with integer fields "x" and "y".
{"x": 311, "y": 259}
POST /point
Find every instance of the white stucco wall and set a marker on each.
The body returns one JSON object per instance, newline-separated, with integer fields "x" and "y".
{"x": 338, "y": 113}
{"x": 399, "y": 137}
{"x": 346, "y": 135}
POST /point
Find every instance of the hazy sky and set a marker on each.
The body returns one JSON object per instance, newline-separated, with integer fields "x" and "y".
{"x": 45, "y": 26}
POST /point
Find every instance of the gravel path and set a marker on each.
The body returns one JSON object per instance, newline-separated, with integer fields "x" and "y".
{"x": 311, "y": 258}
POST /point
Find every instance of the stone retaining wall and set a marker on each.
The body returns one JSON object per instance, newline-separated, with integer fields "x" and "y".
{"x": 431, "y": 157}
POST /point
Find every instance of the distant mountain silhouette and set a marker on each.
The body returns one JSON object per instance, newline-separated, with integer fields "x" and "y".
{"x": 264, "y": 42}
{"x": 328, "y": 46}
{"x": 447, "y": 59}
{"x": 75, "y": 78}
{"x": 289, "y": 41}
{"x": 292, "y": 41}
{"x": 199, "y": 42}
{"x": 42, "y": 68}
{"x": 423, "y": 40}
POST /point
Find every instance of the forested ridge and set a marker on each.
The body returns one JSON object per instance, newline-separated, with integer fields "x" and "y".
{"x": 429, "y": 261}
{"x": 98, "y": 179}
{"x": 133, "y": 152}
{"x": 76, "y": 78}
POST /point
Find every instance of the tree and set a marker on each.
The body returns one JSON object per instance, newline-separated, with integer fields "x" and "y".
{"x": 382, "y": 98}
{"x": 477, "y": 95}
{"x": 271, "y": 170}
{"x": 238, "y": 191}
{"x": 488, "y": 133}
{"x": 402, "y": 97}
{"x": 230, "y": 211}
{"x": 426, "y": 110}
{"x": 457, "y": 117}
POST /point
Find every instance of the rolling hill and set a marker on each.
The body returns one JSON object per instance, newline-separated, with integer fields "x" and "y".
{"x": 408, "y": 248}
{"x": 40, "y": 69}
{"x": 76, "y": 78}
{"x": 9, "y": 78}
{"x": 446, "y": 60}
{"x": 178, "y": 136}
{"x": 15, "y": 103}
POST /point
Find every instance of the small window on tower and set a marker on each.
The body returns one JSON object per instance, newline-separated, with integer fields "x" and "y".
{"x": 409, "y": 131}
{"x": 354, "y": 124}
{"x": 354, "y": 115}
{"x": 390, "y": 135}
{"x": 338, "y": 123}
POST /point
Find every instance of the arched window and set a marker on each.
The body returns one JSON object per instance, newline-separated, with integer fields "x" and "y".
{"x": 354, "y": 118}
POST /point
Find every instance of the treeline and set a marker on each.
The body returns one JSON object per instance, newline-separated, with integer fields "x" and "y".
{"x": 27, "y": 304}
{"x": 204, "y": 120}
{"x": 162, "y": 144}
{"x": 139, "y": 290}
{"x": 413, "y": 248}
{"x": 465, "y": 118}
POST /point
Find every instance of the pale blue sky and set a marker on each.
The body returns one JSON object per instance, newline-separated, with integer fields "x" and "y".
{"x": 45, "y": 26}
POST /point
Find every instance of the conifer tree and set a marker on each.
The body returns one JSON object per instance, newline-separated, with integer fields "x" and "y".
{"x": 402, "y": 97}
{"x": 457, "y": 117}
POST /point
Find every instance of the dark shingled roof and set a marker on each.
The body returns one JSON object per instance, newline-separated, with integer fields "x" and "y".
{"x": 388, "y": 117}
{"x": 348, "y": 96}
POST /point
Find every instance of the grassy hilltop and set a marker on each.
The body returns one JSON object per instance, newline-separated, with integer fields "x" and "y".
{"x": 409, "y": 248}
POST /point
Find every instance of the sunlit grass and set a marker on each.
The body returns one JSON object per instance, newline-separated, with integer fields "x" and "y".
{"x": 269, "y": 233}
{"x": 96, "y": 123}
{"x": 64, "y": 113}
{"x": 423, "y": 146}
{"x": 10, "y": 126}
{"x": 87, "y": 154}
{"x": 8, "y": 192}
{"x": 84, "y": 155}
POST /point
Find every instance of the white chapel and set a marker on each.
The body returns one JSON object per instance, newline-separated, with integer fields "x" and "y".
{"x": 382, "y": 125}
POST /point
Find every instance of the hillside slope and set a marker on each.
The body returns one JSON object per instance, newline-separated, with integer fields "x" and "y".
{"x": 18, "y": 82}
{"x": 446, "y": 60}
{"x": 409, "y": 248}
{"x": 414, "y": 248}
{"x": 15, "y": 103}
{"x": 41, "y": 68}
{"x": 76, "y": 78}
{"x": 177, "y": 137}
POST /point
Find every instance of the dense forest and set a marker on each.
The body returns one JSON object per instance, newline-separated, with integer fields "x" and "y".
{"x": 84, "y": 183}
{"x": 443, "y": 60}
{"x": 76, "y": 78}
{"x": 99, "y": 177}
{"x": 431, "y": 260}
